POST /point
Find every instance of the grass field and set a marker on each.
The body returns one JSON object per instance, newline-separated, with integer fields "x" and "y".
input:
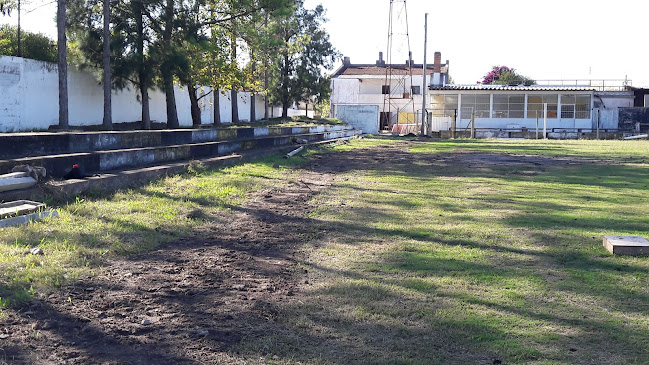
{"x": 430, "y": 252}
{"x": 452, "y": 262}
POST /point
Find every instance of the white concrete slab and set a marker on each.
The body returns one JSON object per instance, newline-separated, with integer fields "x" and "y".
{"x": 19, "y": 207}
{"x": 16, "y": 183}
{"x": 26, "y": 219}
{"x": 627, "y": 245}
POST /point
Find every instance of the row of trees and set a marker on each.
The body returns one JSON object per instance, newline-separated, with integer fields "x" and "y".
{"x": 275, "y": 48}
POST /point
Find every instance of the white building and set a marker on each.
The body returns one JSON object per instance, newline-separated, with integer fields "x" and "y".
{"x": 561, "y": 109}
{"x": 359, "y": 92}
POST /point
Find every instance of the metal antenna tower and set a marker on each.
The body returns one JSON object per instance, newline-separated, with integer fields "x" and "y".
{"x": 398, "y": 101}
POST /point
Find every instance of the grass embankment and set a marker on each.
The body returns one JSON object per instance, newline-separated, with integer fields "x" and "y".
{"x": 437, "y": 263}
{"x": 94, "y": 228}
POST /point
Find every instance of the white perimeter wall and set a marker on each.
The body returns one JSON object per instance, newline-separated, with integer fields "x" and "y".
{"x": 29, "y": 99}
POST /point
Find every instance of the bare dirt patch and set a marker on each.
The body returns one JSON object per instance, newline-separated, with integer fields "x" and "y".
{"x": 190, "y": 301}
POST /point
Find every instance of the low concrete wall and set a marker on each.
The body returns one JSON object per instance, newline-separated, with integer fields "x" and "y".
{"x": 18, "y": 145}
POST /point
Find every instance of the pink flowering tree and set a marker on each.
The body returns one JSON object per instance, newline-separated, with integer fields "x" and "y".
{"x": 505, "y": 75}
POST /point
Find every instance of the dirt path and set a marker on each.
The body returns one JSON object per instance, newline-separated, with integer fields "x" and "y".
{"x": 188, "y": 302}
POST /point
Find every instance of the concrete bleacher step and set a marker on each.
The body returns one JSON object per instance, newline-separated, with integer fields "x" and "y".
{"x": 19, "y": 145}
{"x": 99, "y": 161}
{"x": 62, "y": 190}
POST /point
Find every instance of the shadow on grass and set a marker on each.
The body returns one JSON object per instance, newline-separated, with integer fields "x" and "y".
{"x": 552, "y": 299}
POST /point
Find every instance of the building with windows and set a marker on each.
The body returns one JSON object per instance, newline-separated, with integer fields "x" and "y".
{"x": 568, "y": 111}
{"x": 361, "y": 90}
{"x": 511, "y": 107}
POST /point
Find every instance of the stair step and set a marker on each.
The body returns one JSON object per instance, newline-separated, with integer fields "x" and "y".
{"x": 19, "y": 145}
{"x": 58, "y": 165}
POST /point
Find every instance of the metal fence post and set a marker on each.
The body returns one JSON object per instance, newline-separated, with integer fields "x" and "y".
{"x": 453, "y": 125}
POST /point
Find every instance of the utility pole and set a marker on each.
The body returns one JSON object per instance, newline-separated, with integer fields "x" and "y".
{"x": 545, "y": 120}
{"x": 424, "y": 85}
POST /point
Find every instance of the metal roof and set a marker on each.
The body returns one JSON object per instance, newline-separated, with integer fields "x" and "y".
{"x": 373, "y": 70}
{"x": 512, "y": 87}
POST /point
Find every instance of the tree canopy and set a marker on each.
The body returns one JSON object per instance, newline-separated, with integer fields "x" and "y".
{"x": 504, "y": 75}
{"x": 35, "y": 46}
{"x": 219, "y": 44}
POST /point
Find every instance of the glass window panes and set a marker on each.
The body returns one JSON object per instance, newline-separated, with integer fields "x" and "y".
{"x": 509, "y": 106}
{"x": 444, "y": 105}
{"x": 535, "y": 105}
{"x": 478, "y": 105}
{"x": 568, "y": 111}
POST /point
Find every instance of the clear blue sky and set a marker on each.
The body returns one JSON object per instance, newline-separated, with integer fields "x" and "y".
{"x": 549, "y": 39}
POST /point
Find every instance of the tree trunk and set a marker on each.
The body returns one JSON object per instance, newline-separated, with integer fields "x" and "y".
{"x": 217, "y": 106}
{"x": 285, "y": 105}
{"x": 63, "y": 66}
{"x": 266, "y": 79}
{"x": 170, "y": 97}
{"x": 286, "y": 92}
{"x": 195, "y": 109}
{"x": 167, "y": 68}
{"x": 142, "y": 71}
{"x": 253, "y": 112}
{"x": 234, "y": 94}
{"x": 146, "y": 116}
{"x": 253, "y": 69}
{"x": 108, "y": 117}
{"x": 20, "y": 52}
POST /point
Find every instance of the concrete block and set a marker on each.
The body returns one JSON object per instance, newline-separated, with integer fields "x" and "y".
{"x": 26, "y": 219}
{"x": 275, "y": 131}
{"x": 19, "y": 207}
{"x": 261, "y": 132}
{"x": 224, "y": 134}
{"x": 627, "y": 245}
{"x": 204, "y": 135}
{"x": 15, "y": 183}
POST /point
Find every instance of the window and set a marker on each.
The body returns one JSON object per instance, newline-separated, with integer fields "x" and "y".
{"x": 568, "y": 111}
{"x": 535, "y": 106}
{"x": 416, "y": 90}
{"x": 444, "y": 105}
{"x": 478, "y": 104}
{"x": 575, "y": 106}
{"x": 509, "y": 106}
{"x": 582, "y": 107}
{"x": 385, "y": 89}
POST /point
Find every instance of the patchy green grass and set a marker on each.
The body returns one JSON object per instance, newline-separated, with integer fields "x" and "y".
{"x": 433, "y": 263}
{"x": 96, "y": 227}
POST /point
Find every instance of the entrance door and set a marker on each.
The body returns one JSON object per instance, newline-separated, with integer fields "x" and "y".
{"x": 384, "y": 121}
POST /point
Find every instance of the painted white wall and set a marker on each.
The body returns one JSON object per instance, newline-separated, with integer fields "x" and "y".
{"x": 367, "y": 90}
{"x": 365, "y": 117}
{"x": 345, "y": 91}
{"x": 29, "y": 99}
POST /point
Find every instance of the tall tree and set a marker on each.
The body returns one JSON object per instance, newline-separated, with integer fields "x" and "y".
{"x": 304, "y": 51}
{"x": 108, "y": 116}
{"x": 62, "y": 65}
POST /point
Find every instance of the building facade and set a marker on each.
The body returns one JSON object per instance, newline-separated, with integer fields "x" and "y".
{"x": 394, "y": 91}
